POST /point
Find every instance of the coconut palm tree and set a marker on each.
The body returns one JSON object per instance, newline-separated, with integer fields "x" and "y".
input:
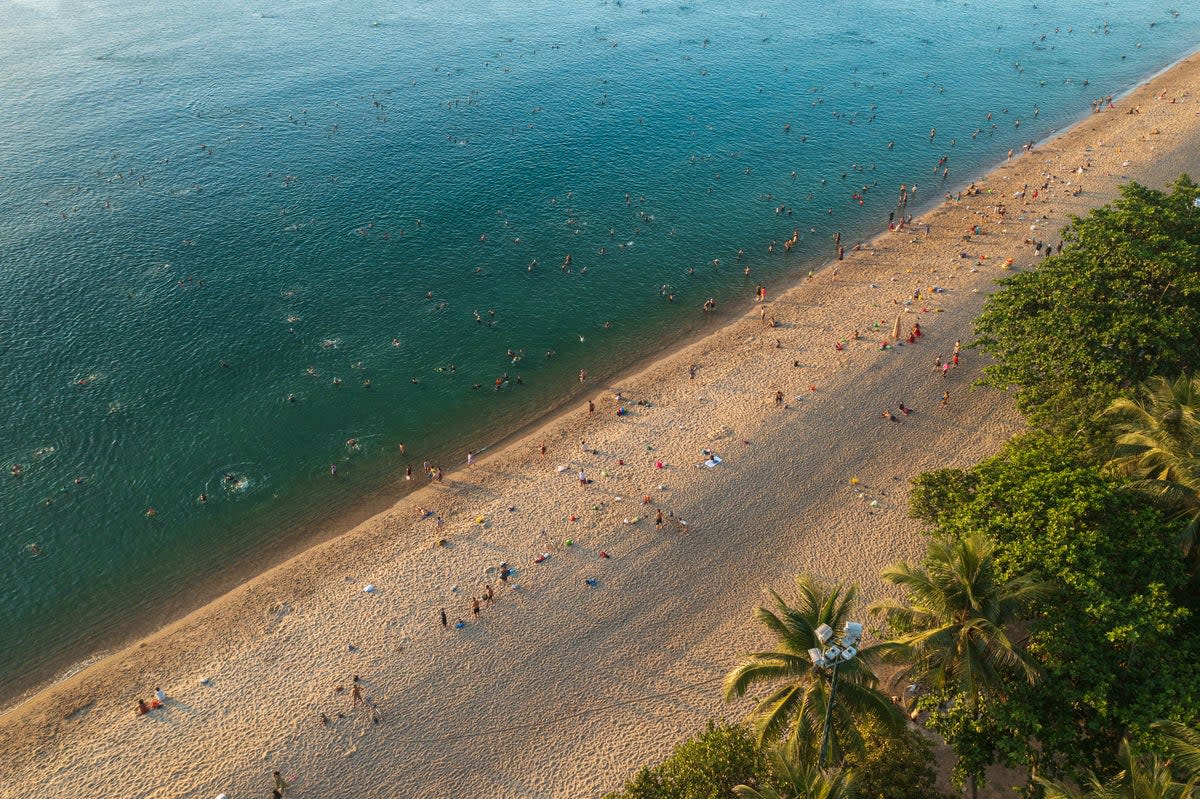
{"x": 1158, "y": 450}
{"x": 799, "y": 780}
{"x": 952, "y": 634}
{"x": 1137, "y": 779}
{"x": 1183, "y": 743}
{"x": 800, "y": 695}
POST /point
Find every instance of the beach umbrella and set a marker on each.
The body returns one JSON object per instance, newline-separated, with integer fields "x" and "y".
{"x": 896, "y": 329}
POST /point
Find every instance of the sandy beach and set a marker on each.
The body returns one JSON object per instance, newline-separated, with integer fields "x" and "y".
{"x": 583, "y": 668}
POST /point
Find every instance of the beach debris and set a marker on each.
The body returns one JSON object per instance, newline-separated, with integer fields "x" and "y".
{"x": 541, "y": 558}
{"x": 369, "y": 588}
{"x": 853, "y": 480}
{"x": 591, "y": 581}
{"x": 570, "y": 542}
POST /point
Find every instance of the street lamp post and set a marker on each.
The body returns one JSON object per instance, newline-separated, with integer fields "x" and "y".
{"x": 831, "y": 658}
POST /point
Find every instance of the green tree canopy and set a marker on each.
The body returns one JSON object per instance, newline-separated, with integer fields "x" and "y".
{"x": 706, "y": 766}
{"x": 1119, "y": 643}
{"x": 1120, "y": 302}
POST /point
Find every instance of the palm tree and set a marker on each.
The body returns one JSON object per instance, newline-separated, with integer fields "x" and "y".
{"x": 797, "y": 780}
{"x": 802, "y": 691}
{"x": 952, "y": 633}
{"x": 1158, "y": 450}
{"x": 1136, "y": 780}
{"x": 1183, "y": 743}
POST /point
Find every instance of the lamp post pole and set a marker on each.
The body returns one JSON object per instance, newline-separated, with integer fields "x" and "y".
{"x": 831, "y": 659}
{"x": 828, "y": 717}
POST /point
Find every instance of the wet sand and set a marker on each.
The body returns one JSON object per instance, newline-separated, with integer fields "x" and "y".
{"x": 564, "y": 688}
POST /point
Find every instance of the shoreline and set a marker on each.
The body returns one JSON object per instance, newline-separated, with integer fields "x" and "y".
{"x": 271, "y": 599}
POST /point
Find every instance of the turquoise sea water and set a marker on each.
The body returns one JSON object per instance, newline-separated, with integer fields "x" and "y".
{"x": 201, "y": 202}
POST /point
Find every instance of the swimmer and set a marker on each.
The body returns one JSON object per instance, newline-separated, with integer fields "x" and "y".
{"x": 333, "y": 469}
{"x": 202, "y": 498}
{"x": 291, "y": 397}
{"x": 17, "y": 470}
{"x": 367, "y": 383}
{"x": 395, "y": 342}
{"x": 337, "y": 381}
{"x": 352, "y": 443}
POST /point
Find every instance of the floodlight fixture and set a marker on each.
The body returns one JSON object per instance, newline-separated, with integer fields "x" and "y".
{"x": 817, "y": 658}
{"x": 824, "y": 633}
{"x": 832, "y": 653}
{"x": 852, "y": 634}
{"x": 848, "y": 653}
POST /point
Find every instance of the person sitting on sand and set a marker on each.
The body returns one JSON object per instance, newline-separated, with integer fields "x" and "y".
{"x": 142, "y": 707}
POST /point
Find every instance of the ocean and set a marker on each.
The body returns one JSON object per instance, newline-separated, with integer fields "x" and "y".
{"x": 249, "y": 249}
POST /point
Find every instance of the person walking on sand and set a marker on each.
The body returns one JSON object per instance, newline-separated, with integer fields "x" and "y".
{"x": 445, "y": 621}
{"x": 280, "y": 786}
{"x": 356, "y": 693}
{"x": 945, "y": 399}
{"x": 475, "y": 606}
{"x": 658, "y": 520}
{"x": 470, "y": 458}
